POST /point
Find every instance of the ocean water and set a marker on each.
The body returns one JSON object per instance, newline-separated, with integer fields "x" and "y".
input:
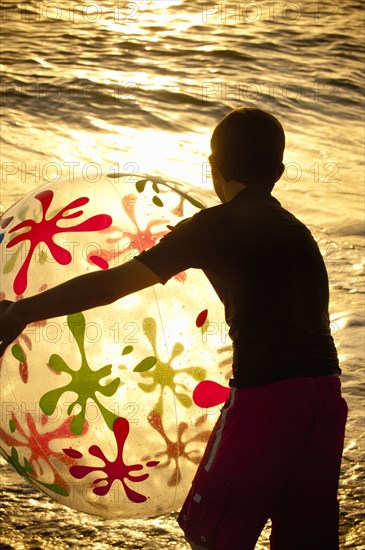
{"x": 127, "y": 86}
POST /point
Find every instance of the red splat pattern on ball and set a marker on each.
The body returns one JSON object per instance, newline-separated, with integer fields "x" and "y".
{"x": 176, "y": 450}
{"x": 72, "y": 453}
{"x": 202, "y": 317}
{"x": 99, "y": 261}
{"x": 140, "y": 239}
{"x": 45, "y": 230}
{"x": 39, "y": 443}
{"x": 210, "y": 394}
{"x": 116, "y": 470}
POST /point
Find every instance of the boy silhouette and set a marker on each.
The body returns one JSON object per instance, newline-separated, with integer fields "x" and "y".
{"x": 276, "y": 449}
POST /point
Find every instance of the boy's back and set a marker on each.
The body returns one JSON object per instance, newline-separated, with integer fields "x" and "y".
{"x": 270, "y": 275}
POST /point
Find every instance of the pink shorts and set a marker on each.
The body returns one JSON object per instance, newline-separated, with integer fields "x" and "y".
{"x": 275, "y": 452}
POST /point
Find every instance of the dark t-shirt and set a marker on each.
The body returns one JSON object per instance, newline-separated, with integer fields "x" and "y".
{"x": 270, "y": 275}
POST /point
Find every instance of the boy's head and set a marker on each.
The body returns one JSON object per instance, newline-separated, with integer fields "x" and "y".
{"x": 247, "y": 147}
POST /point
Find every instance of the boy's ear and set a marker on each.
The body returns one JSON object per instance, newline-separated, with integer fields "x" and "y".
{"x": 215, "y": 170}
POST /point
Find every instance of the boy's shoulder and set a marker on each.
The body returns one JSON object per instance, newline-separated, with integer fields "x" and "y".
{"x": 247, "y": 208}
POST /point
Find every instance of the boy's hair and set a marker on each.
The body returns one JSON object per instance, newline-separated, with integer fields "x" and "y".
{"x": 248, "y": 146}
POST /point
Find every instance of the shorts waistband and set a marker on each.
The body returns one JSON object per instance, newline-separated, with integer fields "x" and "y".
{"x": 290, "y": 386}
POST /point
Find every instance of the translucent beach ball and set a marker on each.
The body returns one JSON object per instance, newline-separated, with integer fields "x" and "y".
{"x": 108, "y": 410}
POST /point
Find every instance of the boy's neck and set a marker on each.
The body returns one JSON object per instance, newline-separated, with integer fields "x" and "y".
{"x": 231, "y": 189}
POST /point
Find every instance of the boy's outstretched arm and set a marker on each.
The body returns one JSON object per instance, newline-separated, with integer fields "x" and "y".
{"x": 84, "y": 292}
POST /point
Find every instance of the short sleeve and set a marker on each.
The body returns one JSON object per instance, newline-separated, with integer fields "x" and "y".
{"x": 179, "y": 250}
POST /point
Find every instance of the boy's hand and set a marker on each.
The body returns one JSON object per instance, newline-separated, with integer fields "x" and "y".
{"x": 10, "y": 326}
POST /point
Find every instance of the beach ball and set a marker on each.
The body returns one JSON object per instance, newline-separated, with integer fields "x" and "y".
{"x": 108, "y": 410}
